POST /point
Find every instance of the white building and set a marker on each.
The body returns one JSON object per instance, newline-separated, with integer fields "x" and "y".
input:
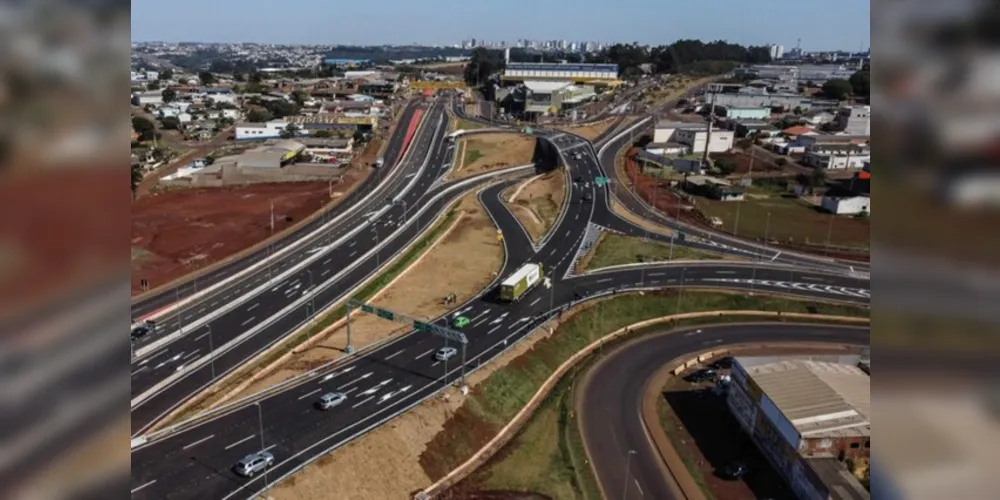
{"x": 847, "y": 206}
{"x": 835, "y": 157}
{"x": 269, "y": 130}
{"x": 855, "y": 120}
{"x": 777, "y": 51}
{"x": 154, "y": 98}
{"x": 694, "y": 136}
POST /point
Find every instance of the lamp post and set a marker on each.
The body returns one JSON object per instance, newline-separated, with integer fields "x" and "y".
{"x": 260, "y": 422}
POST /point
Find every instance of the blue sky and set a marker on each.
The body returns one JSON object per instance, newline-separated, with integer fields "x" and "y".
{"x": 822, "y": 25}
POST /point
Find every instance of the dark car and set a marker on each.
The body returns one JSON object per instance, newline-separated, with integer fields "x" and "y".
{"x": 703, "y": 375}
{"x": 733, "y": 471}
{"x": 587, "y": 197}
{"x": 578, "y": 179}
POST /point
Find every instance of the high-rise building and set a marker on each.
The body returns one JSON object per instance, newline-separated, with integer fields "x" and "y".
{"x": 777, "y": 51}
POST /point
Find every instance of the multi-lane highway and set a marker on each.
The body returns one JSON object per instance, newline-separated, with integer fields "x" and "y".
{"x": 195, "y": 462}
{"x": 611, "y": 395}
{"x": 394, "y": 149}
{"x": 259, "y": 310}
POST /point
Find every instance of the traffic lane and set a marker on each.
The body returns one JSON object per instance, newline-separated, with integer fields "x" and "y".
{"x": 197, "y": 379}
{"x": 803, "y": 284}
{"x": 516, "y": 241}
{"x": 385, "y": 382}
{"x": 185, "y": 316}
{"x": 612, "y": 394}
{"x": 188, "y": 349}
{"x": 397, "y": 182}
{"x": 167, "y": 297}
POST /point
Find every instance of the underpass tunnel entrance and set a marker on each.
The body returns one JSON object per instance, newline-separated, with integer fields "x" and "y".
{"x": 546, "y": 156}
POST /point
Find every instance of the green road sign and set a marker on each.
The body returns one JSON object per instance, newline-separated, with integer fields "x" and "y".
{"x": 382, "y": 313}
{"x": 528, "y": 131}
{"x": 367, "y": 308}
{"x": 600, "y": 181}
{"x": 420, "y": 325}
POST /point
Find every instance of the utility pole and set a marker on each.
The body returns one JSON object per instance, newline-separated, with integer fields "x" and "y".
{"x": 736, "y": 225}
{"x": 708, "y": 137}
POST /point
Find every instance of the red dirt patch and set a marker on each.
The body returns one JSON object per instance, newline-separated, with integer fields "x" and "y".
{"x": 178, "y": 232}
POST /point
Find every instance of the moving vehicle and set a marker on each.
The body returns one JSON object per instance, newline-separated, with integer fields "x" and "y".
{"x": 587, "y": 197}
{"x": 517, "y": 285}
{"x": 140, "y": 330}
{"x": 734, "y": 470}
{"x": 445, "y": 353}
{"x": 461, "y": 322}
{"x": 330, "y": 399}
{"x": 254, "y": 463}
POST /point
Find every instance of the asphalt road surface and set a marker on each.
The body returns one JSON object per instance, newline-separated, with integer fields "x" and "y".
{"x": 196, "y": 462}
{"x": 393, "y": 151}
{"x": 610, "y": 409}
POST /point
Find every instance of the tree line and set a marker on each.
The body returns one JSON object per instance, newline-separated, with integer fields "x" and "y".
{"x": 683, "y": 56}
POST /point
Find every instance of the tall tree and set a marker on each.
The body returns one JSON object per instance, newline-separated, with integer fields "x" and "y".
{"x": 206, "y": 78}
{"x": 169, "y": 95}
{"x": 837, "y": 88}
{"x": 861, "y": 83}
{"x": 167, "y": 74}
{"x": 145, "y": 128}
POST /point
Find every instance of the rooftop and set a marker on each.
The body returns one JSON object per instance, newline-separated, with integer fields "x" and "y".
{"x": 819, "y": 398}
{"x": 841, "y": 483}
{"x": 685, "y": 125}
{"x": 545, "y": 87}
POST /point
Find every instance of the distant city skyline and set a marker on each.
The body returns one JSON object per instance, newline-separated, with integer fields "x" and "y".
{"x": 847, "y": 26}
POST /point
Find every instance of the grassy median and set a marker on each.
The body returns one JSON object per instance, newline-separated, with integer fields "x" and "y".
{"x": 497, "y": 400}
{"x": 615, "y": 249}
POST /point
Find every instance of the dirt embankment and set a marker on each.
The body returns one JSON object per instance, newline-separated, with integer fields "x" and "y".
{"x": 386, "y": 462}
{"x": 538, "y": 202}
{"x": 481, "y": 153}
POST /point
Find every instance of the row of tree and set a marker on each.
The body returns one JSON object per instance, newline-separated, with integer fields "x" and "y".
{"x": 682, "y": 56}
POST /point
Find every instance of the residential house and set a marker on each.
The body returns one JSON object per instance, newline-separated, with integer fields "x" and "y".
{"x": 854, "y": 120}
{"x": 815, "y": 118}
{"x": 836, "y": 156}
{"x": 746, "y": 128}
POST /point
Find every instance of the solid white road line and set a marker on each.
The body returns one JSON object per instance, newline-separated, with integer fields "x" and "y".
{"x": 269, "y": 447}
{"x": 639, "y": 487}
{"x": 532, "y": 304}
{"x": 240, "y": 442}
{"x": 494, "y": 329}
{"x": 247, "y": 322}
{"x": 143, "y": 486}
{"x": 139, "y": 370}
{"x": 424, "y": 354}
{"x": 480, "y": 315}
{"x": 605, "y": 280}
{"x": 196, "y": 443}
{"x": 189, "y": 356}
{"x": 309, "y": 394}
{"x": 359, "y": 379}
{"x": 387, "y": 358}
{"x": 254, "y": 306}
{"x": 202, "y": 336}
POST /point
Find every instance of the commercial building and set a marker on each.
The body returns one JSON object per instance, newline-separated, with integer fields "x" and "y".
{"x": 836, "y": 156}
{"x": 806, "y": 415}
{"x": 737, "y": 113}
{"x": 806, "y": 73}
{"x": 851, "y": 205}
{"x": 603, "y": 74}
{"x": 692, "y": 135}
{"x": 154, "y": 98}
{"x": 268, "y": 130}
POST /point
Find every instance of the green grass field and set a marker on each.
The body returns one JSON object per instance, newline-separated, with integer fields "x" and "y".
{"x": 497, "y": 400}
{"x": 616, "y": 249}
{"x": 791, "y": 220}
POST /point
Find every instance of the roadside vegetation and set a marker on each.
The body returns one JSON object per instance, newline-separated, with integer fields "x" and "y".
{"x": 497, "y": 400}
{"x": 615, "y": 249}
{"x": 538, "y": 204}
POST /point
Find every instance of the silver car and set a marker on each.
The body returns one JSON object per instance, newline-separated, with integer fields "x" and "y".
{"x": 330, "y": 399}
{"x": 445, "y": 353}
{"x": 254, "y": 463}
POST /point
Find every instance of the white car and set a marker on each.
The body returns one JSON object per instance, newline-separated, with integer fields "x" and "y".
{"x": 445, "y": 353}
{"x": 330, "y": 399}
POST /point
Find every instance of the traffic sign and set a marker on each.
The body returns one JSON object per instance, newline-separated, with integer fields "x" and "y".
{"x": 600, "y": 181}
{"x": 367, "y": 308}
{"x": 421, "y": 326}
{"x": 382, "y": 313}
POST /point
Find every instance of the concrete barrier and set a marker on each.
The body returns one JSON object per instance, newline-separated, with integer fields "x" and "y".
{"x": 511, "y": 429}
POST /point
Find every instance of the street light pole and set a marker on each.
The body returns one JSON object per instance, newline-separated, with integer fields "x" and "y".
{"x": 628, "y": 462}
{"x": 312, "y": 291}
{"x": 260, "y": 421}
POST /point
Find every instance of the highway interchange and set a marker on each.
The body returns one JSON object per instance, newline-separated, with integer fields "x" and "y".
{"x": 264, "y": 306}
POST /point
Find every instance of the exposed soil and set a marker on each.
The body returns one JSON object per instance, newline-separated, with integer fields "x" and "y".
{"x": 589, "y": 132}
{"x": 481, "y": 153}
{"x": 180, "y": 231}
{"x": 386, "y": 463}
{"x": 538, "y": 204}
{"x": 470, "y": 253}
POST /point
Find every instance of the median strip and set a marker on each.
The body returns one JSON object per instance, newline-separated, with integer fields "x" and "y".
{"x": 232, "y": 385}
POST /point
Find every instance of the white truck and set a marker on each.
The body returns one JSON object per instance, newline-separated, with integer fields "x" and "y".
{"x": 517, "y": 285}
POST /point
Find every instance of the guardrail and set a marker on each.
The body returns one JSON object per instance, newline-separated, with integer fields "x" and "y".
{"x": 263, "y": 394}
